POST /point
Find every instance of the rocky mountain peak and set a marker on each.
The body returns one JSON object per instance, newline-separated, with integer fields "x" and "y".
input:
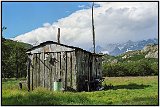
{"x": 116, "y": 49}
{"x": 151, "y": 51}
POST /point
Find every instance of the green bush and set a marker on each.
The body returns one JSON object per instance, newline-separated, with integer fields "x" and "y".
{"x": 154, "y": 67}
{"x": 144, "y": 67}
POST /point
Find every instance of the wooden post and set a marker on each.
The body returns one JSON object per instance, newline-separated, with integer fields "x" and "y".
{"x": 71, "y": 69}
{"x": 44, "y": 70}
{"x": 32, "y": 73}
{"x": 93, "y": 29}
{"x": 58, "y": 36}
{"x": 28, "y": 73}
{"x": 66, "y": 73}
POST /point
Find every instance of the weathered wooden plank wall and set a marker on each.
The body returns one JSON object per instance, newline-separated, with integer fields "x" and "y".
{"x": 88, "y": 68}
{"x": 83, "y": 68}
{"x": 45, "y": 73}
{"x": 71, "y": 71}
{"x": 73, "y": 67}
{"x": 97, "y": 70}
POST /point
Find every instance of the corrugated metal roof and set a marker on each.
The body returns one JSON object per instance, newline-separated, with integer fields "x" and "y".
{"x": 51, "y": 42}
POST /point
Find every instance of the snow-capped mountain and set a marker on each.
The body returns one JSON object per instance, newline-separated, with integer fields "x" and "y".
{"x": 119, "y": 48}
{"x": 99, "y": 49}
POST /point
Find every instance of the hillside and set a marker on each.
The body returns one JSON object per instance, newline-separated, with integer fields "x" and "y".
{"x": 149, "y": 51}
{"x": 15, "y": 43}
{"x": 132, "y": 63}
{"x": 14, "y": 58}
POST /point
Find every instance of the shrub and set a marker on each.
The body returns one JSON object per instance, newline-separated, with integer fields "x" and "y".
{"x": 133, "y": 68}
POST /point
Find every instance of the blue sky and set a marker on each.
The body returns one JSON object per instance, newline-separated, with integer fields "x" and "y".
{"x": 115, "y": 22}
{"x": 22, "y": 17}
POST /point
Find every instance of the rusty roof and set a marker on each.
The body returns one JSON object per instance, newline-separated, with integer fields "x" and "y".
{"x": 52, "y": 42}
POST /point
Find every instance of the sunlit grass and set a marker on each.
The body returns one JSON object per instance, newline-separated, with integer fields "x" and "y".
{"x": 126, "y": 91}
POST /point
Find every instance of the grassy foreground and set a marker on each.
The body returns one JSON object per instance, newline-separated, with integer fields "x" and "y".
{"x": 126, "y": 91}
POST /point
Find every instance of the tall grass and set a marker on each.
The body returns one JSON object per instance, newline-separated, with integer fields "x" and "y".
{"x": 126, "y": 91}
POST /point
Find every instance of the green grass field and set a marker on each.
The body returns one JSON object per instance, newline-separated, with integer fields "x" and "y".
{"x": 126, "y": 91}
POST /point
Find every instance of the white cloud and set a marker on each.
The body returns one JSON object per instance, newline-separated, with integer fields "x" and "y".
{"x": 81, "y": 6}
{"x": 46, "y": 24}
{"x": 114, "y": 22}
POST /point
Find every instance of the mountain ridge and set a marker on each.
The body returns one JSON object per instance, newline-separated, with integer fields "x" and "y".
{"x": 120, "y": 48}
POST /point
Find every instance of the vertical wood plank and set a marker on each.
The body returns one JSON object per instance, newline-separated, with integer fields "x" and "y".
{"x": 77, "y": 70}
{"x": 28, "y": 72}
{"x": 32, "y": 72}
{"x": 41, "y": 70}
{"x": 100, "y": 66}
{"x": 47, "y": 71}
{"x": 50, "y": 78}
{"x": 71, "y": 53}
{"x": 44, "y": 71}
{"x": 63, "y": 68}
{"x": 93, "y": 66}
{"x": 38, "y": 70}
{"x": 58, "y": 64}
{"x": 74, "y": 71}
{"x": 53, "y": 72}
{"x": 78, "y": 73}
{"x": 66, "y": 71}
{"x": 55, "y": 67}
{"x": 35, "y": 71}
{"x": 88, "y": 77}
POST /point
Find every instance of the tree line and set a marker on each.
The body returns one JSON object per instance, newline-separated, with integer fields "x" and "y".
{"x": 14, "y": 58}
{"x": 144, "y": 67}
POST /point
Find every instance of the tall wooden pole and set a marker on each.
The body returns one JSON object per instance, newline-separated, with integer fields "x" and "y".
{"x": 93, "y": 29}
{"x": 58, "y": 36}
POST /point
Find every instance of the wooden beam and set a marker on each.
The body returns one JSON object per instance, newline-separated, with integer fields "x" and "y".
{"x": 58, "y": 36}
{"x": 66, "y": 73}
{"x": 44, "y": 70}
{"x": 93, "y": 29}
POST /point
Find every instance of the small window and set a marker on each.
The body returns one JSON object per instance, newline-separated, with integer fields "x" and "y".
{"x": 53, "y": 61}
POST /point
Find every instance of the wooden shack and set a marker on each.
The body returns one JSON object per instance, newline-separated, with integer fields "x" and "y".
{"x": 51, "y": 61}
